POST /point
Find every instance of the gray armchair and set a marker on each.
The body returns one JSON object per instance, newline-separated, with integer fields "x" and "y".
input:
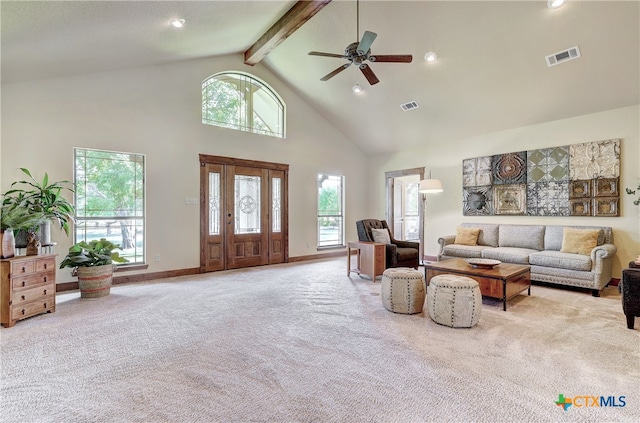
{"x": 399, "y": 253}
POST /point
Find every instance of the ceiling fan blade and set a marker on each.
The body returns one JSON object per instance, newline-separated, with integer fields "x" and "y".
{"x": 335, "y": 72}
{"x": 319, "y": 53}
{"x": 365, "y": 42}
{"x": 392, "y": 58}
{"x": 368, "y": 73}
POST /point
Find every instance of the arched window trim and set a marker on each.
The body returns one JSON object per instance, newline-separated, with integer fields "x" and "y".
{"x": 251, "y": 80}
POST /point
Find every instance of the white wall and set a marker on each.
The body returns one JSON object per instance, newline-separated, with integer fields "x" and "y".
{"x": 157, "y": 111}
{"x": 444, "y": 159}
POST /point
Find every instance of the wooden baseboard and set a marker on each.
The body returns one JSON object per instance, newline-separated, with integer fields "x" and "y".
{"x": 340, "y": 253}
{"x": 143, "y": 277}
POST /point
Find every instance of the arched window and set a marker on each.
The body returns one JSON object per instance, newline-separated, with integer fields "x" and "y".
{"x": 240, "y": 101}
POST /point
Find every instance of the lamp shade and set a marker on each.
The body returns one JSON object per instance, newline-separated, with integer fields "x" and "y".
{"x": 429, "y": 186}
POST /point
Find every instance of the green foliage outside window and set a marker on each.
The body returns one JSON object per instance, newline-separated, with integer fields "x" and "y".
{"x": 242, "y": 102}
{"x": 328, "y": 203}
{"x": 110, "y": 199}
{"x": 330, "y": 210}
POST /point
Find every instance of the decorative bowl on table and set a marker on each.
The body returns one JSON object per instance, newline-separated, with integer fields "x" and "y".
{"x": 483, "y": 263}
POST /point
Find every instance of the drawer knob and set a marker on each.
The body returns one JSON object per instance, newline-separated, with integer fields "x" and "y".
{"x": 23, "y": 297}
{"x": 24, "y": 283}
{"x": 45, "y": 305}
{"x": 45, "y": 292}
{"x": 23, "y": 311}
{"x": 45, "y": 266}
{"x": 24, "y": 269}
{"x": 45, "y": 278}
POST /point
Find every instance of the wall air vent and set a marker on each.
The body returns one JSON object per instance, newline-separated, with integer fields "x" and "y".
{"x": 563, "y": 56}
{"x": 409, "y": 106}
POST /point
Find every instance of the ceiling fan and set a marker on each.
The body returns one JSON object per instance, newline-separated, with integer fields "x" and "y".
{"x": 359, "y": 52}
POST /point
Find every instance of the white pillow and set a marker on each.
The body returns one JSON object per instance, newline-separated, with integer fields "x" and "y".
{"x": 381, "y": 235}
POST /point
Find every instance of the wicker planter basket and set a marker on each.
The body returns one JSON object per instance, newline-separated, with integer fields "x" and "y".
{"x": 95, "y": 281}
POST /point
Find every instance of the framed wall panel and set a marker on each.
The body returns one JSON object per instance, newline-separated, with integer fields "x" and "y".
{"x": 607, "y": 187}
{"x": 581, "y": 207}
{"x": 605, "y": 207}
{"x": 510, "y": 199}
{"x": 477, "y": 201}
{"x": 571, "y": 180}
{"x": 580, "y": 189}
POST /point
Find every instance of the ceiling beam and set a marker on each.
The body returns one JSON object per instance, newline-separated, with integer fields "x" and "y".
{"x": 299, "y": 13}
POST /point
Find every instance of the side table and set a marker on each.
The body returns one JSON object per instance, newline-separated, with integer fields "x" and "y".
{"x": 370, "y": 258}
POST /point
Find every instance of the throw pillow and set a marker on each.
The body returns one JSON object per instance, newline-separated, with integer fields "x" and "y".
{"x": 381, "y": 235}
{"x": 467, "y": 236}
{"x": 579, "y": 241}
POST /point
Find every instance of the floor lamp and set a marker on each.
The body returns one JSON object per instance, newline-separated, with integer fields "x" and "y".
{"x": 428, "y": 186}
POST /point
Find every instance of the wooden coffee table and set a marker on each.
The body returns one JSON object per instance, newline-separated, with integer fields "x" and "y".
{"x": 503, "y": 282}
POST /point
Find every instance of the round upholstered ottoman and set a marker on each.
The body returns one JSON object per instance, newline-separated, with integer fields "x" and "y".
{"x": 454, "y": 301}
{"x": 402, "y": 290}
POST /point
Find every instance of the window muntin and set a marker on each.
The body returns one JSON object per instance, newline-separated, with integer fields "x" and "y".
{"x": 330, "y": 210}
{"x": 242, "y": 102}
{"x": 110, "y": 200}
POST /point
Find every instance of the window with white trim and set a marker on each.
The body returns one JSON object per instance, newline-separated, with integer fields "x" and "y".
{"x": 330, "y": 211}
{"x": 240, "y": 101}
{"x": 110, "y": 200}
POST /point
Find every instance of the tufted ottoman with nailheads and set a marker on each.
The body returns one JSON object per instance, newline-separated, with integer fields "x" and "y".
{"x": 454, "y": 301}
{"x": 402, "y": 290}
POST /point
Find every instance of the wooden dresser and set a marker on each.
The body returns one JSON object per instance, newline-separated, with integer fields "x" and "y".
{"x": 27, "y": 287}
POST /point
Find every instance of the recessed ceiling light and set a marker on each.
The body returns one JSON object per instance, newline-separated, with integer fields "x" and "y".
{"x": 554, "y": 4}
{"x": 431, "y": 56}
{"x": 176, "y": 23}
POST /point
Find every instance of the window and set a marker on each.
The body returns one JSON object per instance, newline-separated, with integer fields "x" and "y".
{"x": 242, "y": 102}
{"x": 330, "y": 211}
{"x": 411, "y": 212}
{"x": 109, "y": 200}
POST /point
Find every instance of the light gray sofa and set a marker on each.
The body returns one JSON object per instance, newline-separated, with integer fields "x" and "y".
{"x": 539, "y": 246}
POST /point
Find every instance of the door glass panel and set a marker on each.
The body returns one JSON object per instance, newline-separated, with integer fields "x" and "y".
{"x": 247, "y": 204}
{"x": 398, "y": 212}
{"x": 276, "y": 212}
{"x": 214, "y": 203}
{"x": 411, "y": 212}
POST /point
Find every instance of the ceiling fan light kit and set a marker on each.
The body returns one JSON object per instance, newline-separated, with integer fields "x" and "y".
{"x": 554, "y": 4}
{"x": 359, "y": 52}
{"x": 431, "y": 56}
{"x": 357, "y": 88}
{"x": 177, "y": 23}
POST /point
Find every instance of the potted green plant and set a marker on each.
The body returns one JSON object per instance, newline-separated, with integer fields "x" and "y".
{"x": 93, "y": 263}
{"x": 45, "y": 197}
{"x": 16, "y": 215}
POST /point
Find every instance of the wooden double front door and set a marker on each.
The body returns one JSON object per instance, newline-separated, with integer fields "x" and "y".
{"x": 243, "y": 213}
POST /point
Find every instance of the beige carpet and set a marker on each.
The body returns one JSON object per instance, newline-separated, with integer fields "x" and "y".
{"x": 304, "y": 343}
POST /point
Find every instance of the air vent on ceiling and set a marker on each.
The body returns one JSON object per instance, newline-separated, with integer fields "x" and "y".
{"x": 409, "y": 106}
{"x": 563, "y": 56}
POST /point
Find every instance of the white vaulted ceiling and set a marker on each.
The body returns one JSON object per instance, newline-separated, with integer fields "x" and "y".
{"x": 491, "y": 73}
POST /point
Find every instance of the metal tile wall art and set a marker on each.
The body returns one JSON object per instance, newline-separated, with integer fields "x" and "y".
{"x": 572, "y": 180}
